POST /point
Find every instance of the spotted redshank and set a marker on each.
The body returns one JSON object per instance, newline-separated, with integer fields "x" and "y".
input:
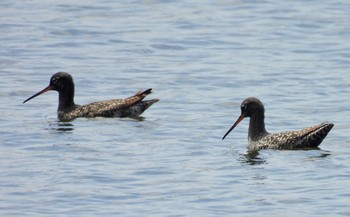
{"x": 62, "y": 82}
{"x": 259, "y": 138}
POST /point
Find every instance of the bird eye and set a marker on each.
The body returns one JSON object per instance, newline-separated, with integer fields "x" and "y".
{"x": 243, "y": 107}
{"x": 54, "y": 80}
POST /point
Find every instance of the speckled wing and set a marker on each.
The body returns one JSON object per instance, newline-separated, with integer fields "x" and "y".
{"x": 130, "y": 106}
{"x": 306, "y": 138}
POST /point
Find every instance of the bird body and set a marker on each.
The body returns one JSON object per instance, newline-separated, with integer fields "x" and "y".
{"x": 306, "y": 138}
{"x": 259, "y": 138}
{"x": 67, "y": 109}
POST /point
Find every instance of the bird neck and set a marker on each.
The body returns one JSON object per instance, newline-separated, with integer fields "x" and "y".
{"x": 66, "y": 99}
{"x": 257, "y": 127}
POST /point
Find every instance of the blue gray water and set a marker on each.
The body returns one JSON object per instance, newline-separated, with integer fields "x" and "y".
{"x": 202, "y": 59}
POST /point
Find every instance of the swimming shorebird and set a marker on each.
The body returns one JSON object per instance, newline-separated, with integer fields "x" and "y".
{"x": 259, "y": 138}
{"x": 62, "y": 82}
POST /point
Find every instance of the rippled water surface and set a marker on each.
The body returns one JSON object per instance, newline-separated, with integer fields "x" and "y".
{"x": 202, "y": 59}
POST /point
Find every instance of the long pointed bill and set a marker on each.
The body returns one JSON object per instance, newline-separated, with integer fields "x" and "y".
{"x": 233, "y": 126}
{"x": 37, "y": 94}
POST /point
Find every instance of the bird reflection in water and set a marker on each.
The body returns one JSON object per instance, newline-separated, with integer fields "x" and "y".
{"x": 252, "y": 158}
{"x": 60, "y": 126}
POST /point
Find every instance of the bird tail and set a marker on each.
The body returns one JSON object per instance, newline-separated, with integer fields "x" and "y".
{"x": 150, "y": 102}
{"x": 317, "y": 133}
{"x": 143, "y": 94}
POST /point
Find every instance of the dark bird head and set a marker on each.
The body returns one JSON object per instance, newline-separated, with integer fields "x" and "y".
{"x": 60, "y": 82}
{"x": 249, "y": 107}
